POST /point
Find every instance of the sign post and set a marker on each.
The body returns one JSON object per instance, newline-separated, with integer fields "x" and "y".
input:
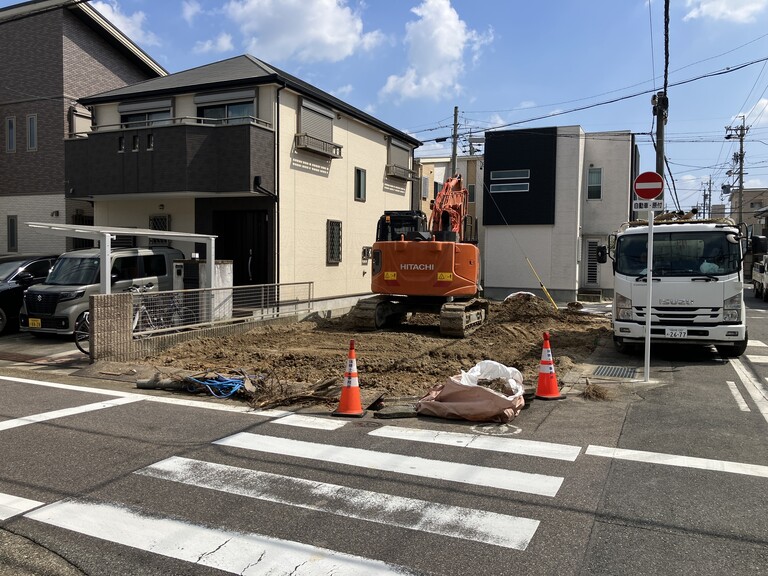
{"x": 648, "y": 187}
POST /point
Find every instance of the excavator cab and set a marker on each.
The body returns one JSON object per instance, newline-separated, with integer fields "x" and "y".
{"x": 402, "y": 224}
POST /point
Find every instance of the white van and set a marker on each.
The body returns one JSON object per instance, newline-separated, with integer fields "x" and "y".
{"x": 55, "y": 305}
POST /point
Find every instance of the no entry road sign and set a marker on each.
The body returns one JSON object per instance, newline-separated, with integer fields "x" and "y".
{"x": 649, "y": 185}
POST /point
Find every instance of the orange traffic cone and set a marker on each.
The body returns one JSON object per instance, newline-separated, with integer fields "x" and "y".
{"x": 547, "y": 388}
{"x": 350, "y": 403}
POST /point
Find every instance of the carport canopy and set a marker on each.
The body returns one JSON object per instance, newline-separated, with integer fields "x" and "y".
{"x": 105, "y": 235}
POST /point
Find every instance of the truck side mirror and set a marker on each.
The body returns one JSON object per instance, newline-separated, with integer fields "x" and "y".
{"x": 602, "y": 254}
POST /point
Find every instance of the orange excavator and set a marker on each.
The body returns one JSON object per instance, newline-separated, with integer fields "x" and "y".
{"x": 426, "y": 266}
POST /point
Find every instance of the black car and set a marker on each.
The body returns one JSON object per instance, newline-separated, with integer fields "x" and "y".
{"x": 17, "y": 273}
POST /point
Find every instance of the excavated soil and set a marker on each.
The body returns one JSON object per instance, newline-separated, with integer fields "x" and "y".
{"x": 304, "y": 363}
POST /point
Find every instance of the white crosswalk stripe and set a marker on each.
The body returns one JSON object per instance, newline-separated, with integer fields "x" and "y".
{"x": 238, "y": 552}
{"x": 225, "y": 550}
{"x": 410, "y": 465}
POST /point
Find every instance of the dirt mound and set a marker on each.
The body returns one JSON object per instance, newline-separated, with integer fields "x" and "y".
{"x": 297, "y": 359}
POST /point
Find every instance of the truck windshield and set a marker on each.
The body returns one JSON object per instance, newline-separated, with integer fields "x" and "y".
{"x": 74, "y": 272}
{"x": 679, "y": 254}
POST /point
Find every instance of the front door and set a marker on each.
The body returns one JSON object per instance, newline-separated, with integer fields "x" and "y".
{"x": 243, "y": 237}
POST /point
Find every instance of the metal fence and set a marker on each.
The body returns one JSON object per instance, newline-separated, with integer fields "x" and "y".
{"x": 130, "y": 325}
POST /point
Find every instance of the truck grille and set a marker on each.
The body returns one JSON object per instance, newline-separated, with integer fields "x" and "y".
{"x": 680, "y": 316}
{"x": 40, "y": 304}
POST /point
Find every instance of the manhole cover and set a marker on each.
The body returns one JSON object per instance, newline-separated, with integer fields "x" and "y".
{"x": 615, "y": 371}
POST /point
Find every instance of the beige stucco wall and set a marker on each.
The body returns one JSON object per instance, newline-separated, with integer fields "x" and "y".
{"x": 315, "y": 189}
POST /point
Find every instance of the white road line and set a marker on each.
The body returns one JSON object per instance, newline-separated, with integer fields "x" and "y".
{"x": 410, "y": 513}
{"x": 63, "y": 413}
{"x": 757, "y": 359}
{"x": 495, "y": 444}
{"x": 757, "y": 344}
{"x": 11, "y": 505}
{"x": 681, "y": 461}
{"x": 308, "y": 421}
{"x": 233, "y": 552}
{"x": 754, "y": 387}
{"x": 399, "y": 463}
{"x": 738, "y": 397}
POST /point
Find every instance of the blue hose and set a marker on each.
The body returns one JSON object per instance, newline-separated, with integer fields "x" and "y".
{"x": 219, "y": 387}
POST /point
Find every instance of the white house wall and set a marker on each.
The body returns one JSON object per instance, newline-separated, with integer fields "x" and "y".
{"x": 556, "y": 252}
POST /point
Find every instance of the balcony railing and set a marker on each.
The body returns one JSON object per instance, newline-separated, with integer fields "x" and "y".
{"x": 173, "y": 122}
{"x": 306, "y": 142}
{"x": 400, "y": 172}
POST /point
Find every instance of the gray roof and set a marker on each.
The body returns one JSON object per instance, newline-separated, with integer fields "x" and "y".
{"x": 239, "y": 71}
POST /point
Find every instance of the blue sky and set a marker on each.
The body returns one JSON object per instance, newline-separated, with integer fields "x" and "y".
{"x": 503, "y": 63}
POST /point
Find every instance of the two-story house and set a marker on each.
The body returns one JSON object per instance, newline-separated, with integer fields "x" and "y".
{"x": 290, "y": 179}
{"x": 53, "y": 52}
{"x": 550, "y": 197}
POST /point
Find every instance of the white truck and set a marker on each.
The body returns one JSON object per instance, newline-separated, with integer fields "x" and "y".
{"x": 697, "y": 284}
{"x": 760, "y": 267}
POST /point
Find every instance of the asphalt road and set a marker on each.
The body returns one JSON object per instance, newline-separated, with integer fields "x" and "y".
{"x": 667, "y": 476}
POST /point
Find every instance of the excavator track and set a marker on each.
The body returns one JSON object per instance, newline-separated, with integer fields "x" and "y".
{"x": 375, "y": 312}
{"x": 460, "y": 319}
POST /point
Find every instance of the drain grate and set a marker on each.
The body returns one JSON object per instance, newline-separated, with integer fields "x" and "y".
{"x": 615, "y": 371}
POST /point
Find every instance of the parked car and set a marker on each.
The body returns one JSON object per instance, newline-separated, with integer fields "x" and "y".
{"x": 56, "y": 305}
{"x": 17, "y": 273}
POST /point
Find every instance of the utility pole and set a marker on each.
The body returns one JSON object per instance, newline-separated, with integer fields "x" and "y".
{"x": 660, "y": 104}
{"x": 740, "y": 132}
{"x": 455, "y": 140}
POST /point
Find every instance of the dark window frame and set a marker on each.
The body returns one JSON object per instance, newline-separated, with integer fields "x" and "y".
{"x": 333, "y": 242}
{"x": 360, "y": 185}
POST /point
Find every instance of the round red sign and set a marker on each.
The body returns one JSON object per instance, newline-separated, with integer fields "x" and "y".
{"x": 649, "y": 185}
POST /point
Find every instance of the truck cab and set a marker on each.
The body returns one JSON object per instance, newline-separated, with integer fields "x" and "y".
{"x": 697, "y": 284}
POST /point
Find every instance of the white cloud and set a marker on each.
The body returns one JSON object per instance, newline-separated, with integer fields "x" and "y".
{"x": 739, "y": 11}
{"x": 758, "y": 115}
{"x": 307, "y": 30}
{"x": 223, "y": 43}
{"x": 190, "y": 9}
{"x": 343, "y": 91}
{"x": 132, "y": 26}
{"x": 436, "y": 42}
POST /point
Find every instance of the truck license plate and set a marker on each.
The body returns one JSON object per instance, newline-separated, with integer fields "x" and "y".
{"x": 670, "y": 333}
{"x": 35, "y": 323}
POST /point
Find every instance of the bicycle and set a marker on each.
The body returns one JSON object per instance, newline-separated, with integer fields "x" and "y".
{"x": 145, "y": 319}
{"x": 83, "y": 334}
{"x": 152, "y": 313}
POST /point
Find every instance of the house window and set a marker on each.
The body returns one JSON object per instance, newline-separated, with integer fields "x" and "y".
{"x": 315, "y": 130}
{"x": 359, "y": 185}
{"x": 436, "y": 187}
{"x": 333, "y": 242}
{"x": 520, "y": 187}
{"x": 121, "y": 143}
{"x": 595, "y": 184}
{"x": 471, "y": 190}
{"x": 13, "y": 236}
{"x": 755, "y": 204}
{"x": 160, "y": 222}
{"x": 32, "y": 132}
{"x": 399, "y": 160}
{"x": 135, "y": 146}
{"x": 424, "y": 188}
{"x": 143, "y": 119}
{"x": 593, "y": 268}
{"x": 150, "y": 141}
{"x": 510, "y": 174}
{"x": 234, "y": 113}
{"x": 10, "y": 134}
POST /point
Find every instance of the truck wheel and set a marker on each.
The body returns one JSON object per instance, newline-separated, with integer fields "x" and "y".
{"x": 623, "y": 347}
{"x": 733, "y": 351}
